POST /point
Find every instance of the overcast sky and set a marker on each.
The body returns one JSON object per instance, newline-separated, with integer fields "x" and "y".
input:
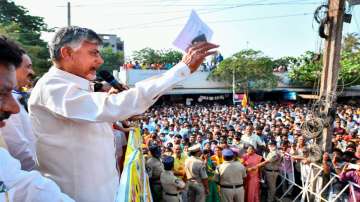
{"x": 276, "y": 27}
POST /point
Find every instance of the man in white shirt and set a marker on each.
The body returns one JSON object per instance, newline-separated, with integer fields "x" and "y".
{"x": 75, "y": 144}
{"x": 250, "y": 138}
{"x": 18, "y": 133}
{"x": 18, "y": 185}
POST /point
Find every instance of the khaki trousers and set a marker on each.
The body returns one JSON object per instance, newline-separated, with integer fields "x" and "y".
{"x": 271, "y": 182}
{"x": 168, "y": 198}
{"x": 196, "y": 192}
{"x": 232, "y": 194}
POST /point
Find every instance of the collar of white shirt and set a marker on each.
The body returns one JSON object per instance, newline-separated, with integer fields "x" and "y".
{"x": 83, "y": 83}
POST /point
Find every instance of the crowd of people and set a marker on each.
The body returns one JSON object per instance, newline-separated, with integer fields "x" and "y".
{"x": 259, "y": 143}
{"x": 57, "y": 143}
{"x": 56, "y": 139}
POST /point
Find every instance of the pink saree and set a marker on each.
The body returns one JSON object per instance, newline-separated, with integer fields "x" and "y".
{"x": 252, "y": 182}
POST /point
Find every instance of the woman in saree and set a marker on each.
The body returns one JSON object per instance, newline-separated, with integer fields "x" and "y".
{"x": 252, "y": 182}
{"x": 213, "y": 195}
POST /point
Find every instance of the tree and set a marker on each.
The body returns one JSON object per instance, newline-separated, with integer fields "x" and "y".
{"x": 252, "y": 70}
{"x": 170, "y": 56}
{"x": 308, "y": 71}
{"x": 17, "y": 24}
{"x": 286, "y": 61}
{"x": 350, "y": 69}
{"x": 10, "y": 13}
{"x": 151, "y": 56}
{"x": 351, "y": 42}
{"x": 112, "y": 60}
{"x": 147, "y": 56}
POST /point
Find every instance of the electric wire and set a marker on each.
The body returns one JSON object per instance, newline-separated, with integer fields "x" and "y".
{"x": 223, "y": 21}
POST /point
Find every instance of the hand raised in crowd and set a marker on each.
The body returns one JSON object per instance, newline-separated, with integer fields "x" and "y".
{"x": 345, "y": 168}
{"x": 326, "y": 156}
{"x": 196, "y": 54}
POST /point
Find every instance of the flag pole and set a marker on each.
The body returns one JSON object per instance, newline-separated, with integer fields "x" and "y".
{"x": 233, "y": 86}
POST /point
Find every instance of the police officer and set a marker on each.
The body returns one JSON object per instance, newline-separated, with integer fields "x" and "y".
{"x": 170, "y": 183}
{"x": 230, "y": 176}
{"x": 154, "y": 168}
{"x": 272, "y": 164}
{"x": 196, "y": 175}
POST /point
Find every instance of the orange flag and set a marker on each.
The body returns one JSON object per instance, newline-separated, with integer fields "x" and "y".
{"x": 244, "y": 101}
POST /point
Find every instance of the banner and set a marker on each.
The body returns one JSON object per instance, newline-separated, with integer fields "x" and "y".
{"x": 134, "y": 182}
{"x": 237, "y": 97}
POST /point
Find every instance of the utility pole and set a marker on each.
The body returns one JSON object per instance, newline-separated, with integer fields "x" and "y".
{"x": 68, "y": 14}
{"x": 331, "y": 66}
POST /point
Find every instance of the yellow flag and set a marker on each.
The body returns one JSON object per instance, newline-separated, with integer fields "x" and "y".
{"x": 244, "y": 101}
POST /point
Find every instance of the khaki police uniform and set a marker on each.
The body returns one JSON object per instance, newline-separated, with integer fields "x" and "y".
{"x": 229, "y": 176}
{"x": 154, "y": 168}
{"x": 171, "y": 186}
{"x": 272, "y": 172}
{"x": 195, "y": 173}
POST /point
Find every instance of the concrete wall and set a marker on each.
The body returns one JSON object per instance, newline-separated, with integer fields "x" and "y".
{"x": 198, "y": 80}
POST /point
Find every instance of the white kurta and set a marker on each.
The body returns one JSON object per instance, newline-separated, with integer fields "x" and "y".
{"x": 75, "y": 143}
{"x": 19, "y": 137}
{"x": 27, "y": 186}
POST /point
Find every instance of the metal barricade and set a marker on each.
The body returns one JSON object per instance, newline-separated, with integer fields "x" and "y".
{"x": 313, "y": 188}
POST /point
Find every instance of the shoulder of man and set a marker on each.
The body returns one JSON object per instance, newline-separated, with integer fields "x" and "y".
{"x": 150, "y": 160}
{"x": 165, "y": 175}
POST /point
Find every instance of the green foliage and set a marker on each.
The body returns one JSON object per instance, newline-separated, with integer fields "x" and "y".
{"x": 37, "y": 51}
{"x": 12, "y": 13}
{"x": 350, "y": 69}
{"x": 112, "y": 60}
{"x": 307, "y": 70}
{"x": 17, "y": 24}
{"x": 286, "y": 61}
{"x": 351, "y": 42}
{"x": 151, "y": 56}
{"x": 147, "y": 55}
{"x": 252, "y": 70}
{"x": 170, "y": 56}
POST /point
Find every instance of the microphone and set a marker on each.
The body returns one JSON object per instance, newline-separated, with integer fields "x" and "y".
{"x": 109, "y": 78}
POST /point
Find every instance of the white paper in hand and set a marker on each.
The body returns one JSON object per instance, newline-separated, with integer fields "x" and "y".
{"x": 194, "y": 28}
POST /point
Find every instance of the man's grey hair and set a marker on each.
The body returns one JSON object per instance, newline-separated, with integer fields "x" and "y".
{"x": 73, "y": 37}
